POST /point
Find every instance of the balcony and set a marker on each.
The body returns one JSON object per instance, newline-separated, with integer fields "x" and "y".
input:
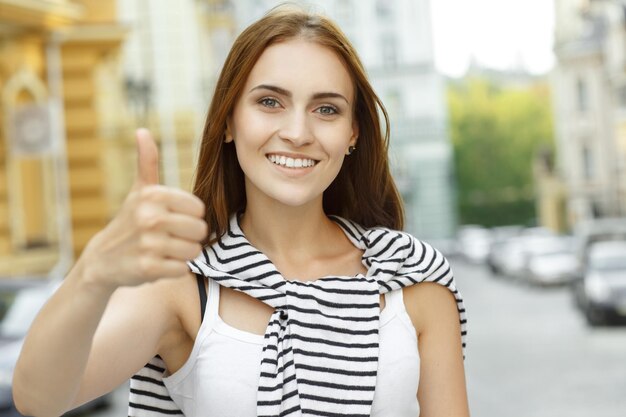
{"x": 49, "y": 14}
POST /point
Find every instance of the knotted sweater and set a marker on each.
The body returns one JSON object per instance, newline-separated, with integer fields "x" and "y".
{"x": 320, "y": 353}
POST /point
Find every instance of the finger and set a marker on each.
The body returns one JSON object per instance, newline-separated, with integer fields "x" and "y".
{"x": 181, "y": 249}
{"x": 157, "y": 267}
{"x": 147, "y": 158}
{"x": 185, "y": 203}
{"x": 174, "y": 200}
{"x": 185, "y": 227}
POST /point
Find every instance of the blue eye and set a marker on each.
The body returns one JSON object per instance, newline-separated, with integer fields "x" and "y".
{"x": 328, "y": 110}
{"x": 269, "y": 102}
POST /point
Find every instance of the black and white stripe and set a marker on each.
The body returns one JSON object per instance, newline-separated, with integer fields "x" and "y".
{"x": 320, "y": 356}
{"x": 148, "y": 395}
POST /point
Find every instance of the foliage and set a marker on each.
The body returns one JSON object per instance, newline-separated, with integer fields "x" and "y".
{"x": 496, "y": 131}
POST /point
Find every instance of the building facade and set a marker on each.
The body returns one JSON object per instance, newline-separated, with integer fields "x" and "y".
{"x": 169, "y": 67}
{"x": 589, "y": 86}
{"x": 60, "y": 102}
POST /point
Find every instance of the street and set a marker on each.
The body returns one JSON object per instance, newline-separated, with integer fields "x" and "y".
{"x": 529, "y": 354}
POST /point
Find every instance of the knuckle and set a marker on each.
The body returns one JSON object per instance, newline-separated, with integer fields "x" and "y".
{"x": 150, "y": 193}
{"x": 149, "y": 219}
{"x": 147, "y": 266}
{"x": 147, "y": 244}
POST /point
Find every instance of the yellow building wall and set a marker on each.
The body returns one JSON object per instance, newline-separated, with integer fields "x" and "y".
{"x": 86, "y": 44}
{"x": 5, "y": 244}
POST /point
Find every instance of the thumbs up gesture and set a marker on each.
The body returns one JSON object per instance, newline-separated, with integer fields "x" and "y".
{"x": 156, "y": 231}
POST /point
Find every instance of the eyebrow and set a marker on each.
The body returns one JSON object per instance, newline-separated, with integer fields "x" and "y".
{"x": 287, "y": 93}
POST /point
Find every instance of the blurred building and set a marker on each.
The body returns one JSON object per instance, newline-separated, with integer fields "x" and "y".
{"x": 394, "y": 41}
{"x": 589, "y": 86}
{"x": 170, "y": 65}
{"x": 60, "y": 100}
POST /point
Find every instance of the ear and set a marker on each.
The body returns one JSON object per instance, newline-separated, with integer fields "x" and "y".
{"x": 355, "y": 132}
{"x": 228, "y": 135}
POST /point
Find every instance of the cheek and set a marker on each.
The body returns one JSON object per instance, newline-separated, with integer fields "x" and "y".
{"x": 251, "y": 128}
{"x": 334, "y": 139}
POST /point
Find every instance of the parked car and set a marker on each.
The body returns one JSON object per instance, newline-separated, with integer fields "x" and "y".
{"x": 598, "y": 230}
{"x": 473, "y": 242}
{"x": 513, "y": 254}
{"x": 602, "y": 291}
{"x": 553, "y": 261}
{"x": 500, "y": 236}
{"x": 20, "y": 301}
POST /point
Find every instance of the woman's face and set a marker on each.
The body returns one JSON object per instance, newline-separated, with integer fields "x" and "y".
{"x": 293, "y": 123}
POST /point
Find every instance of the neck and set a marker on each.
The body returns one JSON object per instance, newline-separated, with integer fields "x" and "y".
{"x": 284, "y": 232}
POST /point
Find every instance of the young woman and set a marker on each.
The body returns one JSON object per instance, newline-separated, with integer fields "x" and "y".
{"x": 316, "y": 304}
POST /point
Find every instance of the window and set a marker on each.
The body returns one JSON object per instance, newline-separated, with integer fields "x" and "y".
{"x": 588, "y": 165}
{"x": 582, "y": 95}
{"x": 389, "y": 50}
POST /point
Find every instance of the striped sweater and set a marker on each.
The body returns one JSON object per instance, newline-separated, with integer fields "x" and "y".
{"x": 321, "y": 345}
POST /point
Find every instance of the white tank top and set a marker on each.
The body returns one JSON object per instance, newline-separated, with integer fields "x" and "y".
{"x": 221, "y": 375}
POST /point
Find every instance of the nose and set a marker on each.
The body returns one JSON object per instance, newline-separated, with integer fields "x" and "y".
{"x": 295, "y": 128}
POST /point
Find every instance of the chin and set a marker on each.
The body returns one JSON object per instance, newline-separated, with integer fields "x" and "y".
{"x": 294, "y": 199}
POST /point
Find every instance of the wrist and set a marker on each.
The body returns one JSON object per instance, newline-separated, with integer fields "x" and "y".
{"x": 87, "y": 272}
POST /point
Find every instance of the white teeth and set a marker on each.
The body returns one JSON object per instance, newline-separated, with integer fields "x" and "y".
{"x": 291, "y": 162}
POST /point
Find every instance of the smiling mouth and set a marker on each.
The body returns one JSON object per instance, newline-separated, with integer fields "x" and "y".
{"x": 288, "y": 162}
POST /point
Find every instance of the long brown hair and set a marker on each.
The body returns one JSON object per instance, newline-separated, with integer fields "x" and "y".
{"x": 363, "y": 191}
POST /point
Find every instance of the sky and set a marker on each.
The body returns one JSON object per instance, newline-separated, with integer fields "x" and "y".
{"x": 501, "y": 34}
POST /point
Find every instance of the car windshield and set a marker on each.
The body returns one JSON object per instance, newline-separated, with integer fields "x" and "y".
{"x": 608, "y": 263}
{"x": 559, "y": 255}
{"x": 19, "y": 310}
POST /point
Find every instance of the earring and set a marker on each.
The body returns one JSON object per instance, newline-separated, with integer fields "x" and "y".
{"x": 351, "y": 149}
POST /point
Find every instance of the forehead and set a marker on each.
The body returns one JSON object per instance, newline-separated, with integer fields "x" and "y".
{"x": 301, "y": 66}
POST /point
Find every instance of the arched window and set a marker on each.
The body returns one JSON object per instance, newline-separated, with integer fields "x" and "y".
{"x": 30, "y": 190}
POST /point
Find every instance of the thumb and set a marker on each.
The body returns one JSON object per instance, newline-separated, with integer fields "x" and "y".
{"x": 147, "y": 158}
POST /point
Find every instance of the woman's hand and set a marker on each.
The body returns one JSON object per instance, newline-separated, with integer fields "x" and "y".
{"x": 157, "y": 229}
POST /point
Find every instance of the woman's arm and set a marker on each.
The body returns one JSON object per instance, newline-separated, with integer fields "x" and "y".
{"x": 85, "y": 342}
{"x": 433, "y": 311}
{"x": 111, "y": 313}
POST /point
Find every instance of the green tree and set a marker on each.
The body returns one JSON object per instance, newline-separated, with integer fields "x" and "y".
{"x": 496, "y": 131}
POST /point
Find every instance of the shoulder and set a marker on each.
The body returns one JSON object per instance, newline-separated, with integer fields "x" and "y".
{"x": 434, "y": 299}
{"x": 429, "y": 304}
